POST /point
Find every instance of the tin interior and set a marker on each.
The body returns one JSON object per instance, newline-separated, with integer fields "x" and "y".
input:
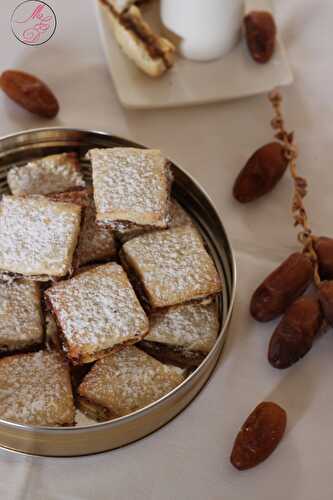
{"x": 19, "y": 149}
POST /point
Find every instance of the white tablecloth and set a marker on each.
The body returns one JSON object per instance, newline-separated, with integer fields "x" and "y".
{"x": 189, "y": 458}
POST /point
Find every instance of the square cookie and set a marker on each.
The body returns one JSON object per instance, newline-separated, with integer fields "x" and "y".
{"x": 52, "y": 174}
{"x": 97, "y": 312}
{"x": 124, "y": 382}
{"x": 35, "y": 389}
{"x": 173, "y": 266}
{"x": 21, "y": 322}
{"x": 131, "y": 187}
{"x": 38, "y": 236}
{"x": 182, "y": 335}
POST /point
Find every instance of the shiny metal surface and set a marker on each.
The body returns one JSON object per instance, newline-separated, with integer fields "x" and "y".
{"x": 82, "y": 440}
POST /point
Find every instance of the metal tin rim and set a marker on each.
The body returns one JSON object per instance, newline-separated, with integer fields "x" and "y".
{"x": 219, "y": 341}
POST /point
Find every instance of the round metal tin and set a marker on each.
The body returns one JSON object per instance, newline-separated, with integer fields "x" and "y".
{"x": 82, "y": 440}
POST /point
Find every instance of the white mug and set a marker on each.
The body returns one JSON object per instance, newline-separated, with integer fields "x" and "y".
{"x": 208, "y": 28}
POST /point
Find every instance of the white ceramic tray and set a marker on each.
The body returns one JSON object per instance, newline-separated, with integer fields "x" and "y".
{"x": 190, "y": 83}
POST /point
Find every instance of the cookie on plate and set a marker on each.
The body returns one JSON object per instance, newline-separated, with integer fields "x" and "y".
{"x": 131, "y": 187}
{"x": 35, "y": 389}
{"x": 124, "y": 382}
{"x": 21, "y": 322}
{"x": 172, "y": 266}
{"x": 38, "y": 236}
{"x": 51, "y": 174}
{"x": 97, "y": 312}
{"x": 182, "y": 335}
{"x": 153, "y": 54}
{"x": 121, "y": 6}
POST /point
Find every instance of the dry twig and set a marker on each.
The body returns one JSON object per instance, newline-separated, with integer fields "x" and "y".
{"x": 305, "y": 236}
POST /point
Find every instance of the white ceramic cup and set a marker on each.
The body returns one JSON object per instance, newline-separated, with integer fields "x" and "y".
{"x": 208, "y": 29}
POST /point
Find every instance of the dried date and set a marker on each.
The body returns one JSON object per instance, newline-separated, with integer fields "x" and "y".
{"x": 295, "y": 334}
{"x": 282, "y": 287}
{"x": 326, "y": 300}
{"x": 259, "y": 436}
{"x": 260, "y": 32}
{"x": 324, "y": 251}
{"x": 261, "y": 173}
{"x": 30, "y": 93}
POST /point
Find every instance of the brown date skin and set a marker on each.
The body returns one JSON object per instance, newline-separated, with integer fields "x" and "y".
{"x": 324, "y": 251}
{"x": 295, "y": 334}
{"x": 259, "y": 436}
{"x": 326, "y": 300}
{"x": 284, "y": 285}
{"x": 30, "y": 93}
{"x": 261, "y": 173}
{"x": 260, "y": 33}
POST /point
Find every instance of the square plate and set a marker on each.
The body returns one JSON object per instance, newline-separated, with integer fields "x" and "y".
{"x": 189, "y": 83}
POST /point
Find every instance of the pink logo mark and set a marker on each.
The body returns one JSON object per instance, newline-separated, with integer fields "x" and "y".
{"x": 33, "y": 22}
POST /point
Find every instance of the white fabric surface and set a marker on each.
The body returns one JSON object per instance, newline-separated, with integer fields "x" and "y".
{"x": 189, "y": 458}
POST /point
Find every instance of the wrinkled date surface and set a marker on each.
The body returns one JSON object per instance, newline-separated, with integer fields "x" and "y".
{"x": 326, "y": 300}
{"x": 259, "y": 436}
{"x": 295, "y": 334}
{"x": 282, "y": 287}
{"x": 261, "y": 173}
{"x": 260, "y": 32}
{"x": 324, "y": 251}
{"x": 30, "y": 93}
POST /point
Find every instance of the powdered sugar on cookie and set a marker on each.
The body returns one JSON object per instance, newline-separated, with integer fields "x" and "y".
{"x": 173, "y": 266}
{"x": 51, "y": 174}
{"x": 20, "y": 315}
{"x": 35, "y": 389}
{"x": 97, "y": 310}
{"x": 37, "y": 236}
{"x": 129, "y": 380}
{"x": 191, "y": 326}
{"x": 131, "y": 185}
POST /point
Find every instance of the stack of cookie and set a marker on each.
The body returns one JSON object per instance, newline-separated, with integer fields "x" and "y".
{"x": 107, "y": 291}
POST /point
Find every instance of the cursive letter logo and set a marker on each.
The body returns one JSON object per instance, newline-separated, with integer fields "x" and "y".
{"x": 33, "y": 22}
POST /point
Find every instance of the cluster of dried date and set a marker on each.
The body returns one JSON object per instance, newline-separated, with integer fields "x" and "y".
{"x": 281, "y": 293}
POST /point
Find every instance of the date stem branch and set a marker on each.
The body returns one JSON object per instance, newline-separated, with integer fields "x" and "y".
{"x": 300, "y": 216}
